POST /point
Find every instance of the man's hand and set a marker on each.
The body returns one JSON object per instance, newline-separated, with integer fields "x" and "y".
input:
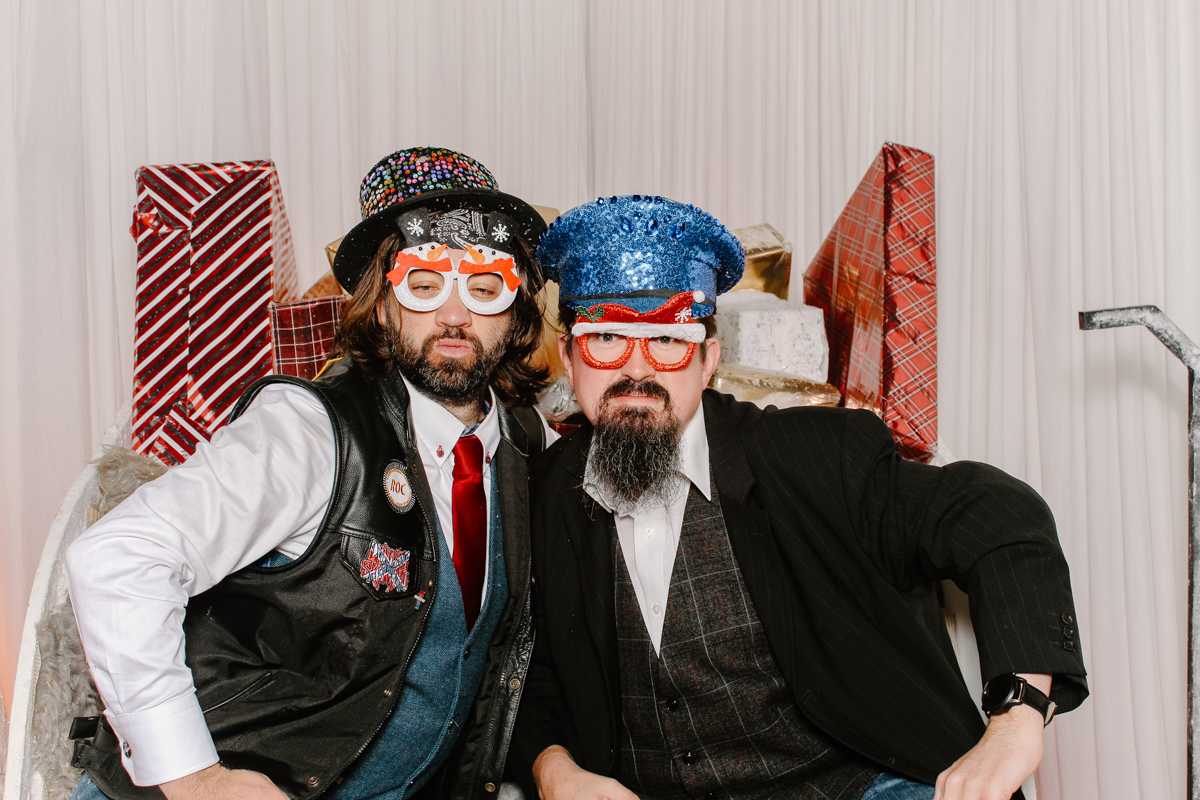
{"x": 1008, "y": 753}
{"x": 560, "y": 778}
{"x": 216, "y": 783}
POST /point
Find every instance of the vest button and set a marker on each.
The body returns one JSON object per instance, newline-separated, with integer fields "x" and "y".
{"x": 688, "y": 758}
{"x": 314, "y": 781}
{"x": 466, "y": 652}
{"x": 514, "y": 684}
{"x": 489, "y": 787}
{"x": 672, "y": 704}
{"x": 387, "y": 692}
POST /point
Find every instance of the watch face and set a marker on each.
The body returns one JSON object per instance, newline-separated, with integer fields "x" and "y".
{"x": 999, "y": 692}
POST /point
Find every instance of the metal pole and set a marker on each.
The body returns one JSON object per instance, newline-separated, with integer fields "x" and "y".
{"x": 1186, "y": 351}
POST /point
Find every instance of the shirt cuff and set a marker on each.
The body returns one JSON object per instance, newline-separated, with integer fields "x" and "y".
{"x": 169, "y": 741}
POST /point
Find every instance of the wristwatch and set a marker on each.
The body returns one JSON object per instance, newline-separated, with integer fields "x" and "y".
{"x": 1005, "y": 691}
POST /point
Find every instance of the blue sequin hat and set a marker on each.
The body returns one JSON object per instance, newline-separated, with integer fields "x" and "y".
{"x": 432, "y": 178}
{"x": 632, "y": 256}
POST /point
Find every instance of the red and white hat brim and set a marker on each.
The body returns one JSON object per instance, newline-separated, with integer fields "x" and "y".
{"x": 687, "y": 331}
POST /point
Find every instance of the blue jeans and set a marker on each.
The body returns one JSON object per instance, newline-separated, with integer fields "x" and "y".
{"x": 888, "y": 787}
{"x": 85, "y": 789}
{"x": 885, "y": 787}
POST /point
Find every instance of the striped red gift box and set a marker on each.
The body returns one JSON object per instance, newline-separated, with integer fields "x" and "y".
{"x": 214, "y": 249}
{"x": 875, "y": 278}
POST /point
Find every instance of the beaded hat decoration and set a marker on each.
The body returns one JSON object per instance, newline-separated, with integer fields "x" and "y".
{"x": 420, "y": 169}
{"x": 438, "y": 180}
{"x": 638, "y": 259}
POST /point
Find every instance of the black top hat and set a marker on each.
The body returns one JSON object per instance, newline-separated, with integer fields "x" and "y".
{"x": 435, "y": 179}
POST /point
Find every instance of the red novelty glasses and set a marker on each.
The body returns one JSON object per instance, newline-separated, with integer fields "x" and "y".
{"x": 613, "y": 351}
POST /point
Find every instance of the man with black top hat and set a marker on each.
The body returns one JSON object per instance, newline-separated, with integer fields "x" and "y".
{"x": 733, "y": 602}
{"x": 332, "y": 597}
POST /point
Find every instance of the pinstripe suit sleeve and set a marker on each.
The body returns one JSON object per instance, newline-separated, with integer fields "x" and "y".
{"x": 985, "y": 530}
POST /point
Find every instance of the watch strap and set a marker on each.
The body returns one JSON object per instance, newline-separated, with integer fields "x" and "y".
{"x": 1023, "y": 693}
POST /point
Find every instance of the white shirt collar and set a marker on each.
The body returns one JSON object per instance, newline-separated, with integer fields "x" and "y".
{"x": 438, "y": 430}
{"x": 693, "y": 443}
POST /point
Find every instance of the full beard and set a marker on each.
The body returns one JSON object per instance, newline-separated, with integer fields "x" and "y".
{"x": 634, "y": 453}
{"x": 449, "y": 380}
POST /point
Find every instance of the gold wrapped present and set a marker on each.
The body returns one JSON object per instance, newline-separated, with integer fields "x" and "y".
{"x": 765, "y": 387}
{"x": 768, "y": 260}
{"x": 325, "y": 286}
{"x": 331, "y": 249}
{"x": 548, "y": 214}
{"x": 548, "y": 353}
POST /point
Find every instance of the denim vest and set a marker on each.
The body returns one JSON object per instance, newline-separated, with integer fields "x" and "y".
{"x": 440, "y": 685}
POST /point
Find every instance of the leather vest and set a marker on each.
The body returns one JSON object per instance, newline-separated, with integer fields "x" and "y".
{"x": 298, "y": 667}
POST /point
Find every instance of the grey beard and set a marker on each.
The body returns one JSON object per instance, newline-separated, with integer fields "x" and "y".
{"x": 634, "y": 454}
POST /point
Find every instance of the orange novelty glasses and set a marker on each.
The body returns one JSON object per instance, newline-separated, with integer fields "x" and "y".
{"x": 613, "y": 351}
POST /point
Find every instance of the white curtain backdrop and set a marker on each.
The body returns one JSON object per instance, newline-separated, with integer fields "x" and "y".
{"x": 1066, "y": 136}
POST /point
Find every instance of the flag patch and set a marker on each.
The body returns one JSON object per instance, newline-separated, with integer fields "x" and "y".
{"x": 386, "y": 566}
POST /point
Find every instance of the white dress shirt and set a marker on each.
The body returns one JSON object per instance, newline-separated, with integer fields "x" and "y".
{"x": 437, "y": 434}
{"x": 649, "y": 532}
{"x": 263, "y": 483}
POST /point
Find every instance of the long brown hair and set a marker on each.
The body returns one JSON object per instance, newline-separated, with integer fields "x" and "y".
{"x": 361, "y": 336}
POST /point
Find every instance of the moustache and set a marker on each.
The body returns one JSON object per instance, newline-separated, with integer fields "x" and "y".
{"x": 451, "y": 333}
{"x": 632, "y": 388}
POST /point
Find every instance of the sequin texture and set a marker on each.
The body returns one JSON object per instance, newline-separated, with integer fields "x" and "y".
{"x": 417, "y": 170}
{"x": 640, "y": 251}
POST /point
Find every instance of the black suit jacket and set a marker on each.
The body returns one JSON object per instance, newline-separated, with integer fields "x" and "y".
{"x": 841, "y": 544}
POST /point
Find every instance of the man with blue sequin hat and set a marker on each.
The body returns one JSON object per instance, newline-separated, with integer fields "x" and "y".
{"x": 332, "y": 596}
{"x": 739, "y": 602}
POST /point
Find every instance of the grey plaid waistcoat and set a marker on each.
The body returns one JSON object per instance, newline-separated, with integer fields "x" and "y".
{"x": 710, "y": 715}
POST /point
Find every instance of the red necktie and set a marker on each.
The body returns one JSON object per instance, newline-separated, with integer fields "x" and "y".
{"x": 470, "y": 524}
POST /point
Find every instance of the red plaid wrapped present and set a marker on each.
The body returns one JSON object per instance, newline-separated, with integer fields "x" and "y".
{"x": 214, "y": 248}
{"x": 875, "y": 278}
{"x": 303, "y": 334}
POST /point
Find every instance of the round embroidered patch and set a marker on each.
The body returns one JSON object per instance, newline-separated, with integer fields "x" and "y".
{"x": 397, "y": 488}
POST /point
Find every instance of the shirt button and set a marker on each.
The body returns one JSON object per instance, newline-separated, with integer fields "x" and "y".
{"x": 649, "y": 533}
{"x": 656, "y": 609}
{"x": 688, "y": 758}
